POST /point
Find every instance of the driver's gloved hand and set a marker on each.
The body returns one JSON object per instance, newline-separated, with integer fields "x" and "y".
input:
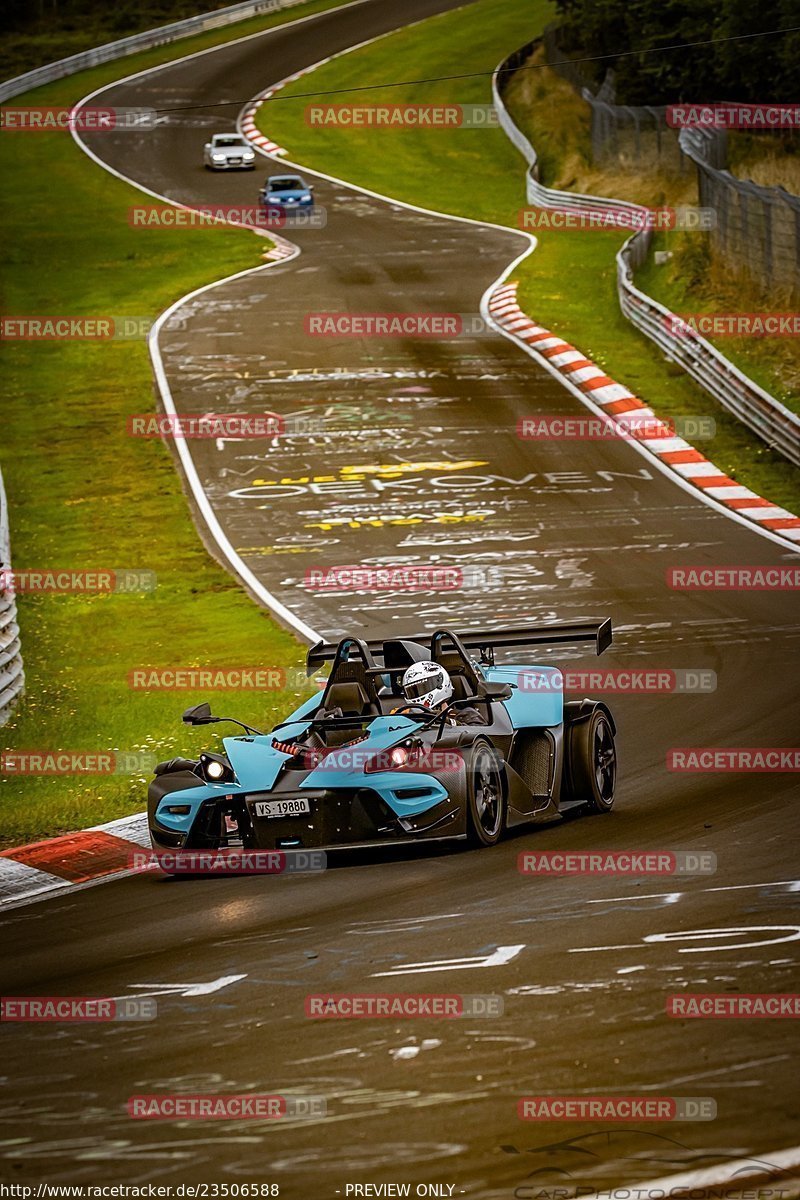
{"x": 332, "y": 712}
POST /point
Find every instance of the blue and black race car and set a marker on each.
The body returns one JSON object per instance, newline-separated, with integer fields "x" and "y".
{"x": 358, "y": 765}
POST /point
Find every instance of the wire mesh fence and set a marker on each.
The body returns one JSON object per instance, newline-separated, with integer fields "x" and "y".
{"x": 776, "y": 425}
{"x": 622, "y": 135}
{"x": 757, "y": 228}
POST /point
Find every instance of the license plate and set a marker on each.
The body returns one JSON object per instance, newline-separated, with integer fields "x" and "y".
{"x": 282, "y": 808}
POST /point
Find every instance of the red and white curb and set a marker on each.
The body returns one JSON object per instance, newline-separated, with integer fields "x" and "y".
{"x": 248, "y": 125}
{"x": 614, "y": 400}
{"x": 62, "y": 863}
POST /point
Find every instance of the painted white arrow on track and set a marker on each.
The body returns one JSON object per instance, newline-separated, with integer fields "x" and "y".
{"x": 786, "y": 933}
{"x": 503, "y": 954}
{"x": 185, "y": 989}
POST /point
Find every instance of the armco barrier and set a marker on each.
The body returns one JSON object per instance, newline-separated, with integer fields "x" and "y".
{"x": 752, "y": 405}
{"x": 139, "y": 41}
{"x": 12, "y": 678}
{"x": 735, "y": 391}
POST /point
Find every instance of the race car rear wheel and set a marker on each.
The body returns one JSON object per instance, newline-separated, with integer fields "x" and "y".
{"x": 593, "y": 761}
{"x": 486, "y": 800}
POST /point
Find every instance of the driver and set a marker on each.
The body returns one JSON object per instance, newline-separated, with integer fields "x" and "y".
{"x": 428, "y": 684}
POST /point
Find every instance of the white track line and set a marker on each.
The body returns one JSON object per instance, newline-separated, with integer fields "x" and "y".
{"x": 244, "y": 573}
{"x": 220, "y": 538}
{"x": 667, "y": 471}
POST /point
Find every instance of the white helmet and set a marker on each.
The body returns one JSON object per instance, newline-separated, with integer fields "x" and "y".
{"x": 426, "y": 683}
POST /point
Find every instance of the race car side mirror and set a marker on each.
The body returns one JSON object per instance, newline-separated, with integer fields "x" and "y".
{"x": 494, "y": 691}
{"x": 199, "y": 714}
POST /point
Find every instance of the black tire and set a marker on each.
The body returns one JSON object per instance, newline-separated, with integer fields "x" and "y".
{"x": 593, "y": 761}
{"x": 486, "y": 796}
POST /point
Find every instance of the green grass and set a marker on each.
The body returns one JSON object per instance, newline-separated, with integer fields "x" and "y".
{"x": 694, "y": 282}
{"x": 697, "y": 278}
{"x": 472, "y": 172}
{"x": 84, "y": 495}
{"x": 568, "y": 283}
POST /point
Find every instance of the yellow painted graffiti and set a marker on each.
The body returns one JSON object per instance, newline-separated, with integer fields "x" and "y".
{"x": 379, "y": 522}
{"x": 385, "y": 471}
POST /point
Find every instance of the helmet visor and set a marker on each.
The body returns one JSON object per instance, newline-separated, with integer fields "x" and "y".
{"x": 422, "y": 687}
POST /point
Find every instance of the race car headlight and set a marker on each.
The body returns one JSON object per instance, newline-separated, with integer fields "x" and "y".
{"x": 215, "y": 768}
{"x": 406, "y": 756}
{"x": 248, "y": 154}
{"x": 218, "y": 157}
{"x": 306, "y": 196}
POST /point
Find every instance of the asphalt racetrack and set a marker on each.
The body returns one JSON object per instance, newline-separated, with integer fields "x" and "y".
{"x": 415, "y": 458}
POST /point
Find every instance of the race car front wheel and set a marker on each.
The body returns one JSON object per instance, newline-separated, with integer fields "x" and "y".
{"x": 486, "y": 801}
{"x": 593, "y": 761}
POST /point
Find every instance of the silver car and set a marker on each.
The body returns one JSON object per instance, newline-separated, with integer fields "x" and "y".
{"x": 229, "y": 152}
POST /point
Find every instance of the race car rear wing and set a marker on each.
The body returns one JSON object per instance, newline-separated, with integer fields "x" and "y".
{"x": 486, "y": 642}
{"x": 598, "y": 632}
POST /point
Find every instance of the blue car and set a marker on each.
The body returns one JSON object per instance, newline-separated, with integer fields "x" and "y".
{"x": 287, "y": 194}
{"x": 357, "y": 765}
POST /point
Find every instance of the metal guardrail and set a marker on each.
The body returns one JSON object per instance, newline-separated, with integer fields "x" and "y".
{"x": 751, "y": 404}
{"x": 12, "y": 677}
{"x": 139, "y": 41}
{"x": 537, "y": 194}
{"x": 757, "y": 409}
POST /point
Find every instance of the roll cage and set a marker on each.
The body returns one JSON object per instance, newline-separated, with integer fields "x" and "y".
{"x": 375, "y": 666}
